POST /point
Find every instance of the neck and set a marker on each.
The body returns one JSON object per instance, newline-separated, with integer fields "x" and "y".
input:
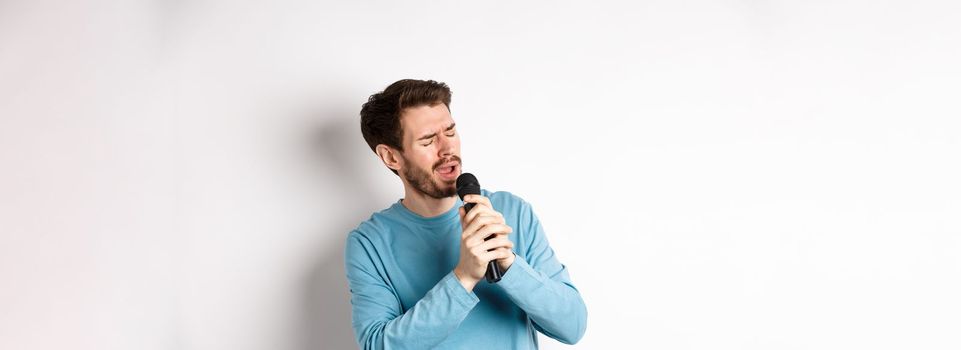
{"x": 425, "y": 205}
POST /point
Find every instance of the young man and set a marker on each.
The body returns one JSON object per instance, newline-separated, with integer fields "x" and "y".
{"x": 416, "y": 269}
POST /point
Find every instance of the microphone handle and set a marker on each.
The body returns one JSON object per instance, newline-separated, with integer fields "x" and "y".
{"x": 494, "y": 273}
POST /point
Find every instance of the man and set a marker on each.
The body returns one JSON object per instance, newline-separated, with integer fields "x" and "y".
{"x": 416, "y": 269}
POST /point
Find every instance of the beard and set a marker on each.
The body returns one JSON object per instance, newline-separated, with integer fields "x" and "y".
{"x": 423, "y": 180}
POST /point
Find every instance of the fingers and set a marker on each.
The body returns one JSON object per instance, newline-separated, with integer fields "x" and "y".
{"x": 481, "y": 211}
{"x": 479, "y": 200}
{"x": 492, "y": 250}
{"x": 503, "y": 253}
{"x": 488, "y": 232}
{"x": 479, "y": 223}
{"x": 482, "y": 224}
{"x": 498, "y": 243}
{"x": 482, "y": 258}
{"x": 496, "y": 254}
{"x": 476, "y": 221}
{"x": 482, "y": 206}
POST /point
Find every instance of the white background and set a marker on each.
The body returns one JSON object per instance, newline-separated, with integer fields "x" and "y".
{"x": 715, "y": 174}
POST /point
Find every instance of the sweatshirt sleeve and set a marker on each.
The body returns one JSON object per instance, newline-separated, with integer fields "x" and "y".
{"x": 541, "y": 286}
{"x": 378, "y": 318}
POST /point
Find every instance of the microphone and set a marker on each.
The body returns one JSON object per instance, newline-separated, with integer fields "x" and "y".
{"x": 467, "y": 184}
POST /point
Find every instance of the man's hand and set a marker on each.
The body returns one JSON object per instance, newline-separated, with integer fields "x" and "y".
{"x": 475, "y": 249}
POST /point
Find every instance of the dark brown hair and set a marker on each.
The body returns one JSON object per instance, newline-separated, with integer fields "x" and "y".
{"x": 380, "y": 116}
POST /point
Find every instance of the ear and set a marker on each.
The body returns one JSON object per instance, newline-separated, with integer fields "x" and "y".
{"x": 390, "y": 156}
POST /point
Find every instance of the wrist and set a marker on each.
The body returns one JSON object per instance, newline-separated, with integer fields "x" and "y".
{"x": 465, "y": 280}
{"x": 507, "y": 262}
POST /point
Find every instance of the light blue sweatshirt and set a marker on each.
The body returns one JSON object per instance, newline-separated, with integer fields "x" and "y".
{"x": 404, "y": 293}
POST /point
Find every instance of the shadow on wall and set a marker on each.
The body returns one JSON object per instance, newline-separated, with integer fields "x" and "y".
{"x": 327, "y": 318}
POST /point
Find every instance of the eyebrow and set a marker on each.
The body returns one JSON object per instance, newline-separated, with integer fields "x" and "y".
{"x": 428, "y": 136}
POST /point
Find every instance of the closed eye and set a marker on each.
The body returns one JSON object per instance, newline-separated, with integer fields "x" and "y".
{"x": 449, "y": 132}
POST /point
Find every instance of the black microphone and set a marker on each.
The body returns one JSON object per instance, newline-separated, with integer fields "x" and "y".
{"x": 467, "y": 184}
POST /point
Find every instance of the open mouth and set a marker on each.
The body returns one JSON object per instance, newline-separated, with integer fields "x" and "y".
{"x": 449, "y": 170}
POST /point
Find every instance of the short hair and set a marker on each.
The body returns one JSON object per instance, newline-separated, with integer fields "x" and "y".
{"x": 380, "y": 116}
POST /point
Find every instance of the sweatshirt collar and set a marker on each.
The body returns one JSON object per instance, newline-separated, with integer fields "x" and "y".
{"x": 442, "y": 218}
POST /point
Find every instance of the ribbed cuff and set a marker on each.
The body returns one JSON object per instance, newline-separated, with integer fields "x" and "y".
{"x": 520, "y": 276}
{"x": 456, "y": 291}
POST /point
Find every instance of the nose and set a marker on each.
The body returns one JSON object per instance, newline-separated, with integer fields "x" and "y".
{"x": 446, "y": 146}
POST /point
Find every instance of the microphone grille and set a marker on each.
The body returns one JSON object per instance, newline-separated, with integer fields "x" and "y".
{"x": 467, "y": 184}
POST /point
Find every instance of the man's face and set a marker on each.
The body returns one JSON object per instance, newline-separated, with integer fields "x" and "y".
{"x": 431, "y": 156}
